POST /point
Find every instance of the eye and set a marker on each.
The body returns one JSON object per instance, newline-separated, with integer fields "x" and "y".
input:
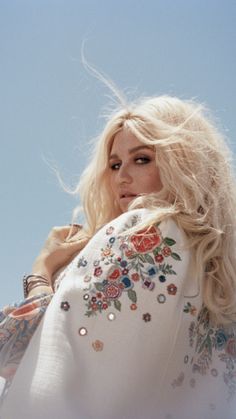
{"x": 115, "y": 166}
{"x": 142, "y": 160}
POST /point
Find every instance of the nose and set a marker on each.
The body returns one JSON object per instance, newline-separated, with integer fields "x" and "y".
{"x": 124, "y": 175}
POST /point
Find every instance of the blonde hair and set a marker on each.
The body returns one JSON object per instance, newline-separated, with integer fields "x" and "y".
{"x": 198, "y": 188}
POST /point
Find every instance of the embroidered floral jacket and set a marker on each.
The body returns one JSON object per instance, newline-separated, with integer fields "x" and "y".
{"x": 125, "y": 336}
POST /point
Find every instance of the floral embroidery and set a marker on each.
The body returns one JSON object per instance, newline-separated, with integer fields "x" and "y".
{"x": 178, "y": 381}
{"x": 147, "y": 317}
{"x": 142, "y": 257}
{"x": 172, "y": 289}
{"x": 82, "y": 262}
{"x": 135, "y": 277}
{"x": 189, "y": 308}
{"x": 208, "y": 339}
{"x": 18, "y": 324}
{"x": 98, "y": 345}
{"x": 98, "y": 271}
{"x": 146, "y": 240}
{"x": 109, "y": 230}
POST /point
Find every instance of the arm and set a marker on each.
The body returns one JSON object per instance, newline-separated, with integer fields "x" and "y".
{"x": 19, "y": 321}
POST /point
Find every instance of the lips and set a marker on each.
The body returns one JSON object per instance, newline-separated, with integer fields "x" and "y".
{"x": 127, "y": 195}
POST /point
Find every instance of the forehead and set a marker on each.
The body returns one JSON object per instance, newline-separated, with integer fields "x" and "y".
{"x": 124, "y": 141}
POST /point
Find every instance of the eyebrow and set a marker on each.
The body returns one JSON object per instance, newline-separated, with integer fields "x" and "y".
{"x": 133, "y": 150}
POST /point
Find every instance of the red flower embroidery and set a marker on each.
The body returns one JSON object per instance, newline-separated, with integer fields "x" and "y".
{"x": 112, "y": 291}
{"x": 125, "y": 271}
{"x": 166, "y": 251}
{"x": 146, "y": 240}
{"x": 129, "y": 253}
{"x": 159, "y": 258}
{"x": 172, "y": 289}
{"x": 116, "y": 273}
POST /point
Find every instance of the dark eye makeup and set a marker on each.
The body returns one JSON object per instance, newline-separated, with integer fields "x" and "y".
{"x": 139, "y": 160}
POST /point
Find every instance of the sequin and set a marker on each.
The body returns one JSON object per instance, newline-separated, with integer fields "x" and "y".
{"x": 98, "y": 345}
{"x": 162, "y": 278}
{"x": 161, "y": 298}
{"x": 83, "y": 331}
{"x": 214, "y": 372}
{"x": 87, "y": 278}
{"x": 186, "y": 359}
{"x": 86, "y": 297}
{"x": 65, "y": 305}
{"x": 111, "y": 316}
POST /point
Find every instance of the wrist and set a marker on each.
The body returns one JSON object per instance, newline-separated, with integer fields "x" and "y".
{"x": 36, "y": 283}
{"x": 39, "y": 268}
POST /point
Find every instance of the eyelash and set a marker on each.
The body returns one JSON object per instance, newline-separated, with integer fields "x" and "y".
{"x": 144, "y": 160}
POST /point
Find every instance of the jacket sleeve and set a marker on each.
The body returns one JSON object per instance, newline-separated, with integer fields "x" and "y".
{"x": 17, "y": 325}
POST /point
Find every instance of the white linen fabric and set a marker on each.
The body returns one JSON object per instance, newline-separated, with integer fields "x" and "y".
{"x": 126, "y": 336}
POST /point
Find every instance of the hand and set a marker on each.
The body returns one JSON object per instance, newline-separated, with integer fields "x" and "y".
{"x": 61, "y": 246}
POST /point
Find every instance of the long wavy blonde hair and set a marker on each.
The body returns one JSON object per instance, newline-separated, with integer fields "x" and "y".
{"x": 198, "y": 188}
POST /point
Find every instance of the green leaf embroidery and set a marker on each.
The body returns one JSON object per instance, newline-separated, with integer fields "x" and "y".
{"x": 142, "y": 258}
{"x": 99, "y": 286}
{"x": 168, "y": 241}
{"x": 132, "y": 296}
{"x": 156, "y": 250}
{"x": 117, "y": 305}
{"x": 149, "y": 259}
{"x": 175, "y": 256}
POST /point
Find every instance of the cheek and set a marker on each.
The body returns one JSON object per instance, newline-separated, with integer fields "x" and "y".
{"x": 112, "y": 185}
{"x": 153, "y": 181}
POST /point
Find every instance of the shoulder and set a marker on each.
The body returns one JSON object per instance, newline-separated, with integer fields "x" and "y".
{"x": 131, "y": 220}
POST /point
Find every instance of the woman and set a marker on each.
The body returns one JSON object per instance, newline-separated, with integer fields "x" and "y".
{"x": 141, "y": 322}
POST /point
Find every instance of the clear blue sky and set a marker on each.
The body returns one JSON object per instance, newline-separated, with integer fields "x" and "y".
{"x": 50, "y": 107}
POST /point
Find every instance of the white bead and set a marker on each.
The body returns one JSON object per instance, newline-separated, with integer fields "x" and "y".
{"x": 111, "y": 316}
{"x": 83, "y": 331}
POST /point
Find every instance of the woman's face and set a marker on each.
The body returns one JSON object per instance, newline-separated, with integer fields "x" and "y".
{"x": 133, "y": 169}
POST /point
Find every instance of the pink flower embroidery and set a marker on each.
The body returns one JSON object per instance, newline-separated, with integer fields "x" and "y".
{"x": 98, "y": 271}
{"x": 112, "y": 291}
{"x": 166, "y": 251}
{"x": 98, "y": 345}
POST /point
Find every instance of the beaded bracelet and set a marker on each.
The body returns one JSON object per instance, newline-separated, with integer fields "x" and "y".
{"x": 29, "y": 285}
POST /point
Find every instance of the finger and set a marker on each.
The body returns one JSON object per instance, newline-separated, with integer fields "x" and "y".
{"x": 74, "y": 246}
{"x": 74, "y": 228}
{"x": 63, "y": 232}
